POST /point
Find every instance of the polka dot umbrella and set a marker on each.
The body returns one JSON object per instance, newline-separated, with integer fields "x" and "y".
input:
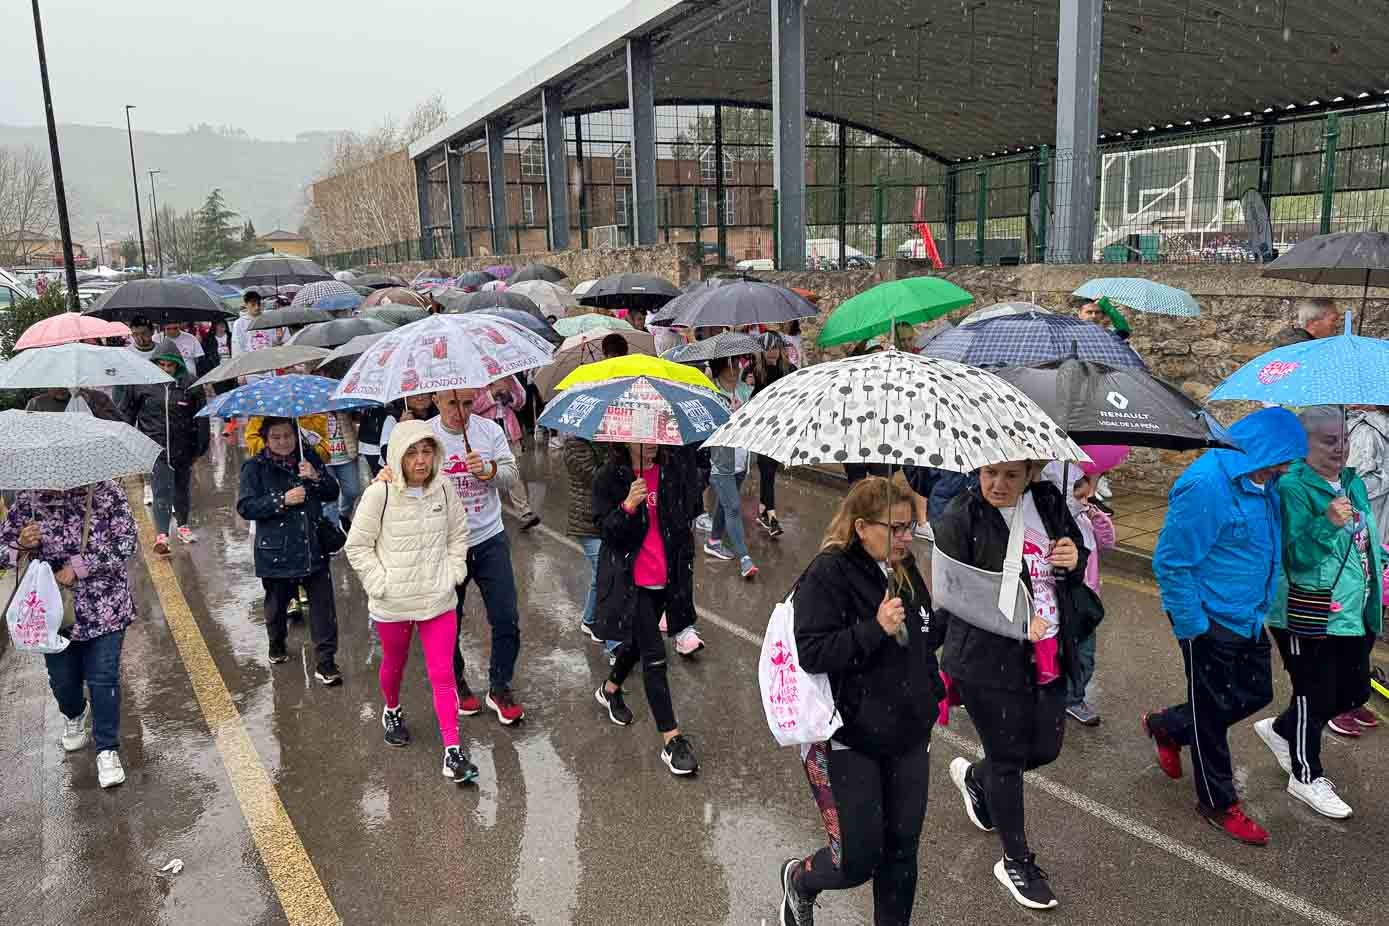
{"x": 895, "y": 408}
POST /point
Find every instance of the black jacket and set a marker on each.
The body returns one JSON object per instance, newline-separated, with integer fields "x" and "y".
{"x": 974, "y": 532}
{"x": 286, "y": 540}
{"x": 886, "y": 694}
{"x": 211, "y": 358}
{"x": 679, "y": 500}
{"x": 1292, "y": 335}
{"x": 167, "y": 415}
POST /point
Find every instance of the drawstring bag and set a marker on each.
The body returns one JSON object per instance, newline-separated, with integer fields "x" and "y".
{"x": 997, "y": 602}
{"x": 35, "y": 611}
{"x": 799, "y": 706}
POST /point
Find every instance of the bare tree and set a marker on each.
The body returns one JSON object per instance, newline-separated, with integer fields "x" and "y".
{"x": 28, "y": 205}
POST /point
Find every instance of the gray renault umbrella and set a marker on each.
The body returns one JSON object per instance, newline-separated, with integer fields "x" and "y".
{"x": 339, "y": 331}
{"x": 60, "y": 450}
{"x": 290, "y": 318}
{"x": 265, "y": 360}
{"x": 160, "y": 301}
{"x": 734, "y": 304}
{"x": 728, "y": 344}
{"x": 1099, "y": 404}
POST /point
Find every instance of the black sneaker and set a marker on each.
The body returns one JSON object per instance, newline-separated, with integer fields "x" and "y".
{"x": 961, "y": 772}
{"x": 458, "y": 766}
{"x": 278, "y": 655}
{"x": 618, "y": 711}
{"x": 529, "y": 521}
{"x": 1026, "y": 882}
{"x": 393, "y": 721}
{"x": 796, "y": 908}
{"x": 679, "y": 757}
{"x": 328, "y": 675}
{"x": 774, "y": 527}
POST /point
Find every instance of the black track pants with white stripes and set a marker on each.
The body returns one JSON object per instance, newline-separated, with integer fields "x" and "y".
{"x": 1330, "y": 676}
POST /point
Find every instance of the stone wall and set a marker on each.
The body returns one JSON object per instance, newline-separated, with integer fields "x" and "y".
{"x": 678, "y": 263}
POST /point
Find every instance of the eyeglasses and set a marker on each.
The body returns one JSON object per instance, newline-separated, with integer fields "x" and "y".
{"x": 901, "y": 530}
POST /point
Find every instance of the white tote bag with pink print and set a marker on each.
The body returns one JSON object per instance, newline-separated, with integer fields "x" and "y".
{"x": 35, "y": 612}
{"x": 800, "y": 706}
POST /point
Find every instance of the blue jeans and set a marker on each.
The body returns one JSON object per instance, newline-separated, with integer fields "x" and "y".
{"x": 172, "y": 494}
{"x": 97, "y": 665}
{"x": 592, "y": 546}
{"x": 728, "y": 512}
{"x": 489, "y": 565}
{"x": 350, "y": 489}
{"x": 1085, "y": 650}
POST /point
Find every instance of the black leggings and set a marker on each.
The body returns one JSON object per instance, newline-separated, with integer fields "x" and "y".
{"x": 1020, "y": 731}
{"x": 323, "y": 614}
{"x": 873, "y": 809}
{"x": 767, "y": 468}
{"x": 648, "y": 644}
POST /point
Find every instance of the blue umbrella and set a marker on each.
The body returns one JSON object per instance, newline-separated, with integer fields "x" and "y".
{"x": 338, "y": 302}
{"x": 1142, "y": 295}
{"x": 220, "y": 290}
{"x": 1341, "y": 370}
{"x": 291, "y": 396}
{"x": 636, "y": 409}
{"x": 1031, "y": 338}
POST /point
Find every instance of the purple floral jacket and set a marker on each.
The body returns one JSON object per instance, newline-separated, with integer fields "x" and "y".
{"x": 102, "y": 594}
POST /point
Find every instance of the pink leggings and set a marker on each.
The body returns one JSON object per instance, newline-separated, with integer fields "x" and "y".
{"x": 438, "y": 636}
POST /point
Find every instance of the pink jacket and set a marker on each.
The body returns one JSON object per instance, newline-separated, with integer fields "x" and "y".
{"x": 1103, "y": 528}
{"x": 487, "y": 406}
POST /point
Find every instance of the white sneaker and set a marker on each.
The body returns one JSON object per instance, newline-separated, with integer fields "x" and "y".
{"x": 1321, "y": 796}
{"x": 75, "y": 731}
{"x": 149, "y": 496}
{"x": 1275, "y": 743}
{"x": 109, "y": 771}
{"x": 704, "y": 522}
{"x": 1102, "y": 489}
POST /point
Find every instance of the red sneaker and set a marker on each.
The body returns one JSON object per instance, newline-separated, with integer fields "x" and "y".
{"x": 1365, "y": 717}
{"x": 468, "y": 703}
{"x": 1235, "y": 824}
{"x": 1344, "y": 724}
{"x": 1169, "y": 754}
{"x": 507, "y": 708}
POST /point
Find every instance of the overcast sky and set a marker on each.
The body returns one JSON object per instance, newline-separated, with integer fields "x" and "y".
{"x": 273, "y": 67}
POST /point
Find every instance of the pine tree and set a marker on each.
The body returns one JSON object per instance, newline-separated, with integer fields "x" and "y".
{"x": 215, "y": 231}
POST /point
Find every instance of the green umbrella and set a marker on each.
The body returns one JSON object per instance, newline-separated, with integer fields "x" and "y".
{"x": 913, "y": 300}
{"x": 578, "y": 324}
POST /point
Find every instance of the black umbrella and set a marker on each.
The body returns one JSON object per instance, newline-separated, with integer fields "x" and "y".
{"x": 272, "y": 270}
{"x": 1128, "y": 406}
{"x": 339, "y": 331}
{"x": 294, "y": 317}
{"x": 524, "y": 319}
{"x": 378, "y": 281}
{"x": 731, "y": 304}
{"x": 1341, "y": 259}
{"x": 538, "y": 272}
{"x": 630, "y": 291}
{"x": 337, "y": 363}
{"x": 475, "y": 278}
{"x": 160, "y": 301}
{"x": 458, "y": 302}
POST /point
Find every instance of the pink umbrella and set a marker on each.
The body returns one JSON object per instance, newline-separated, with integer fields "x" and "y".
{"x": 1104, "y": 457}
{"x": 68, "y": 327}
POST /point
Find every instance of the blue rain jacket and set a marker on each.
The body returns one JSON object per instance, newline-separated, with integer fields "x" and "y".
{"x": 1219, "y": 556}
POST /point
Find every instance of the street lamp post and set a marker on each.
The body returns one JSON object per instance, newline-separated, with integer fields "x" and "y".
{"x": 154, "y": 212}
{"x": 64, "y": 229}
{"x": 134, "y": 179}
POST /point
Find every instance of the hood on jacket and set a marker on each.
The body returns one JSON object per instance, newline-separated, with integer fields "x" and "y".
{"x": 168, "y": 351}
{"x": 1269, "y": 437}
{"x": 404, "y": 436}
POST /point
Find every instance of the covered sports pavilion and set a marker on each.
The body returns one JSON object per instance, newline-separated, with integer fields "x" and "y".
{"x": 959, "y": 82}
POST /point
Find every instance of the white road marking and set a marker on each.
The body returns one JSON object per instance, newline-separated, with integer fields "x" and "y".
{"x": 1102, "y": 812}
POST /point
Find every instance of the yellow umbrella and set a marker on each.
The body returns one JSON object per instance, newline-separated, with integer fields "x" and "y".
{"x": 636, "y": 365}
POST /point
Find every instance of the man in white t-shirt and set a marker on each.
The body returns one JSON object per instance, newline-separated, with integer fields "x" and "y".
{"x": 244, "y": 340}
{"x": 188, "y": 345}
{"x": 478, "y": 458}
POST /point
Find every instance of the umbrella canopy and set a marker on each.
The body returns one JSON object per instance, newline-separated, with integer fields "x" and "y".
{"x": 496, "y": 286}
{"x": 1021, "y": 340}
{"x": 525, "y": 320}
{"x": 289, "y": 318}
{"x": 1142, "y": 295}
{"x": 67, "y": 327}
{"x": 379, "y": 281}
{"x": 734, "y": 303}
{"x": 501, "y": 271}
{"x": 444, "y": 352}
{"x": 1098, "y": 404}
{"x": 430, "y": 273}
{"x": 396, "y": 315}
{"x": 896, "y": 408}
{"x": 311, "y": 293}
{"x": 341, "y": 358}
{"x": 1342, "y": 370}
{"x": 876, "y": 311}
{"x": 583, "y": 287}
{"x": 58, "y": 450}
{"x": 395, "y": 295}
{"x": 265, "y": 360}
{"x": 533, "y": 272}
{"x": 345, "y": 276}
{"x": 635, "y": 365}
{"x": 475, "y": 278}
{"x": 220, "y": 290}
{"x": 77, "y": 366}
{"x": 637, "y": 409}
{"x": 579, "y": 324}
{"x": 291, "y": 396}
{"x": 460, "y": 302}
{"x": 550, "y": 298}
{"x": 272, "y": 270}
{"x": 587, "y": 349}
{"x": 339, "y": 331}
{"x": 728, "y": 344}
{"x": 161, "y": 301}
{"x": 1343, "y": 259}
{"x": 630, "y": 291}
{"x": 1000, "y": 309}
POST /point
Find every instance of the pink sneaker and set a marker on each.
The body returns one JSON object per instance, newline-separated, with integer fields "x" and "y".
{"x": 186, "y": 535}
{"x": 687, "y": 642}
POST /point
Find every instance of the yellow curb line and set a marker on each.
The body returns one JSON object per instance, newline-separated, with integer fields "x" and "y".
{"x": 301, "y": 892}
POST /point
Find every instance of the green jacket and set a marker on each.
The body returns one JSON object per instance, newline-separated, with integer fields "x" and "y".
{"x": 1313, "y": 549}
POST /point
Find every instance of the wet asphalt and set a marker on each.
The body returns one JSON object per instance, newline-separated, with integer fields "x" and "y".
{"x": 575, "y": 820}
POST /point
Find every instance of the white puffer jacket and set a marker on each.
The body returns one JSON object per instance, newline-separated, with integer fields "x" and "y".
{"x": 410, "y": 551}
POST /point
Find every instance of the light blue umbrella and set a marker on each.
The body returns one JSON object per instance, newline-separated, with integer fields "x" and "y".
{"x": 292, "y": 396}
{"x": 1341, "y": 370}
{"x": 1142, "y": 295}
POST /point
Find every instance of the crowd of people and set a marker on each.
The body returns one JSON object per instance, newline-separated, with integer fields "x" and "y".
{"x": 1286, "y": 534}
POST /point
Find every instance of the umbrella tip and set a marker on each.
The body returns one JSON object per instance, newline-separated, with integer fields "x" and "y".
{"x": 1349, "y": 315}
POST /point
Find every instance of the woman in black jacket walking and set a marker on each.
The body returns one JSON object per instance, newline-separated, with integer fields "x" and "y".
{"x": 863, "y": 617}
{"x": 644, "y": 500}
{"x": 1018, "y": 708}
{"x": 283, "y": 490}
